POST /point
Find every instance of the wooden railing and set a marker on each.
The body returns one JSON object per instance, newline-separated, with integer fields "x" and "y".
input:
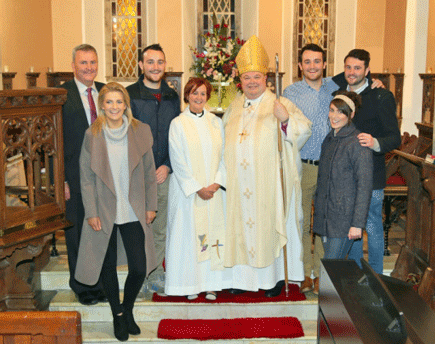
{"x": 40, "y": 327}
{"x": 417, "y": 255}
{"x": 32, "y": 204}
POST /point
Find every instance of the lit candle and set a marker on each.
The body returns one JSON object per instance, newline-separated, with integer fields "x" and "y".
{"x": 429, "y": 70}
{"x": 32, "y": 69}
{"x": 6, "y": 69}
{"x": 399, "y": 70}
{"x": 170, "y": 69}
{"x": 50, "y": 70}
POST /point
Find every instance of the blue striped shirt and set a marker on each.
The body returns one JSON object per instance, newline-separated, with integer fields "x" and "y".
{"x": 315, "y": 106}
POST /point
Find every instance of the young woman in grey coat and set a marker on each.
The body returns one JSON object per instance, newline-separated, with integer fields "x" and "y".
{"x": 344, "y": 183}
{"x": 119, "y": 191}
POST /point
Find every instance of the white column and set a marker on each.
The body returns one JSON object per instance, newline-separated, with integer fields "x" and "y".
{"x": 93, "y": 32}
{"x": 417, "y": 16}
{"x": 250, "y": 19}
{"x": 1, "y": 68}
{"x": 151, "y": 13}
{"x": 345, "y": 31}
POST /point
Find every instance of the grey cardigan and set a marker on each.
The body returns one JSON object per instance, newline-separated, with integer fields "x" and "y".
{"x": 344, "y": 184}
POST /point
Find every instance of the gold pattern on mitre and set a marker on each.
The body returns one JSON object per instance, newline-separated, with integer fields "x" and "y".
{"x": 252, "y": 57}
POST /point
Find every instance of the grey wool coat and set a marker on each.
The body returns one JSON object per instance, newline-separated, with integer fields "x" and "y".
{"x": 99, "y": 198}
{"x": 344, "y": 184}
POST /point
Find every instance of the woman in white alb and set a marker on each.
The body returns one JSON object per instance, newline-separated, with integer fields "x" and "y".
{"x": 196, "y": 224}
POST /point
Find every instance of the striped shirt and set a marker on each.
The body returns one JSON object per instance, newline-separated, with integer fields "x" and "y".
{"x": 315, "y": 106}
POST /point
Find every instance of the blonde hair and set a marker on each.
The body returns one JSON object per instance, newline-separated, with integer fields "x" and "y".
{"x": 97, "y": 126}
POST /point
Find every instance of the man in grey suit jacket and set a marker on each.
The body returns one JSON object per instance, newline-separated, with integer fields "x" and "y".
{"x": 77, "y": 116}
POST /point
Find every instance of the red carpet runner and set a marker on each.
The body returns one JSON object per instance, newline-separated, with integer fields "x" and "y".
{"x": 248, "y": 297}
{"x": 288, "y": 327}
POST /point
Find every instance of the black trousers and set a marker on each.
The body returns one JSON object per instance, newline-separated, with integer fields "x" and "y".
{"x": 76, "y": 214}
{"x": 133, "y": 238}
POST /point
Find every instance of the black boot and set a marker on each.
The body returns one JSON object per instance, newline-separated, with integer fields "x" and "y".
{"x": 236, "y": 291}
{"x": 275, "y": 291}
{"x": 120, "y": 327}
{"x": 131, "y": 324}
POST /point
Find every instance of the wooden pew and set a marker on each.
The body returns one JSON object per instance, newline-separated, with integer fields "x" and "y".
{"x": 40, "y": 327}
{"x": 417, "y": 255}
{"x": 396, "y": 189}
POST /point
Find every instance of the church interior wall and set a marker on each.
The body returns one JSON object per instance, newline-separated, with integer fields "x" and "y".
{"x": 370, "y": 27}
{"x": 67, "y": 31}
{"x": 345, "y": 31}
{"x": 26, "y": 38}
{"x": 286, "y": 56}
{"x": 189, "y": 33}
{"x": 430, "y": 59}
{"x": 250, "y": 18}
{"x": 93, "y": 32}
{"x": 151, "y": 24}
{"x": 375, "y": 25}
{"x": 270, "y": 28}
{"x": 394, "y": 38}
{"x": 169, "y": 34}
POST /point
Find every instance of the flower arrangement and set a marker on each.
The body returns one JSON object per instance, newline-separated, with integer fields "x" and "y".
{"x": 216, "y": 62}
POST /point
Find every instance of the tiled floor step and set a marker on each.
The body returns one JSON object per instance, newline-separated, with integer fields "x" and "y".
{"x": 97, "y": 320}
{"x": 102, "y": 333}
{"x": 146, "y": 310}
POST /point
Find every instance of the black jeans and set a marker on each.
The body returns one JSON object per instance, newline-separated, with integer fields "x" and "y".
{"x": 133, "y": 238}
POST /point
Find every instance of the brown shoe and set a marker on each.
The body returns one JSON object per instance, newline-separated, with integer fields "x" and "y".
{"x": 316, "y": 286}
{"x": 306, "y": 285}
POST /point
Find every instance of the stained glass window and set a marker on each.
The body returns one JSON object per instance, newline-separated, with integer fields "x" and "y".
{"x": 315, "y": 23}
{"x": 228, "y": 10}
{"x": 127, "y": 24}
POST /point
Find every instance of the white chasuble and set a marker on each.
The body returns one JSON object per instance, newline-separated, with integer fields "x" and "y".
{"x": 195, "y": 239}
{"x": 257, "y": 225}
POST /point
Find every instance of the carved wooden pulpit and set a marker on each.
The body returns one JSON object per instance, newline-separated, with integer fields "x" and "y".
{"x": 32, "y": 202}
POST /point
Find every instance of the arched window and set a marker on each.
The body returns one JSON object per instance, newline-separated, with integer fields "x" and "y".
{"x": 228, "y": 10}
{"x": 125, "y": 38}
{"x": 314, "y": 23}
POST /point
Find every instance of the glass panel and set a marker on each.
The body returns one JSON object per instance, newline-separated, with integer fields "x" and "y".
{"x": 127, "y": 37}
{"x": 224, "y": 10}
{"x": 205, "y": 23}
{"x": 313, "y": 22}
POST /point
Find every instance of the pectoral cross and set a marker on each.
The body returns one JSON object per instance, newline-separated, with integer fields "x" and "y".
{"x": 242, "y": 135}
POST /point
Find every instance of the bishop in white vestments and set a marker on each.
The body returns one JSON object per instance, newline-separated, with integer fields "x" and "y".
{"x": 258, "y": 225}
